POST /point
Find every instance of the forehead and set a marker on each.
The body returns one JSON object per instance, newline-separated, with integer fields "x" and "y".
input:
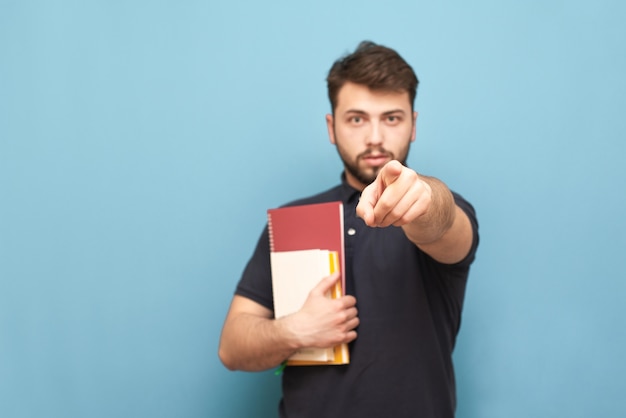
{"x": 353, "y": 96}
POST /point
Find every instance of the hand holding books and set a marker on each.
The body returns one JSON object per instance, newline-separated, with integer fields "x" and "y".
{"x": 323, "y": 322}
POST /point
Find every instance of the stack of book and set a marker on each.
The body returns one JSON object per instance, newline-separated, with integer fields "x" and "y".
{"x": 306, "y": 244}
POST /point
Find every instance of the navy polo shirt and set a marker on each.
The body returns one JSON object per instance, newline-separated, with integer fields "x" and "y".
{"x": 409, "y": 310}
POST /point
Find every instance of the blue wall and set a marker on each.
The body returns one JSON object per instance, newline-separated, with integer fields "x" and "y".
{"x": 141, "y": 143}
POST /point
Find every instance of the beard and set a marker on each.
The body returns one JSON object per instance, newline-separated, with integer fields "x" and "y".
{"x": 368, "y": 174}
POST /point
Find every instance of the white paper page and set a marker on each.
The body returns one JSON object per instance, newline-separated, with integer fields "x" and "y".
{"x": 294, "y": 274}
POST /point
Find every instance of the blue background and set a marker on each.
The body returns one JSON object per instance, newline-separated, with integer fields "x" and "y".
{"x": 141, "y": 143}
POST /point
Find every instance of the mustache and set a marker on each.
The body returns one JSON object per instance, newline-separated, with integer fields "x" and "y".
{"x": 378, "y": 152}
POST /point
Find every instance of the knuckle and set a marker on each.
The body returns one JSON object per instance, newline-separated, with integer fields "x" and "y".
{"x": 396, "y": 215}
{"x": 383, "y": 205}
{"x": 411, "y": 174}
{"x": 342, "y": 316}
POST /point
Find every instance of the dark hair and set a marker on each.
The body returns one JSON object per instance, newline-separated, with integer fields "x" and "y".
{"x": 374, "y": 66}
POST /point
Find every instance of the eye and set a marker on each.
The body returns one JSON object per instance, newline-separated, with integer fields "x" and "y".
{"x": 393, "y": 119}
{"x": 356, "y": 120}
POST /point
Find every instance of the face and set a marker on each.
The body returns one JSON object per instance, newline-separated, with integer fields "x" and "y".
{"x": 370, "y": 128}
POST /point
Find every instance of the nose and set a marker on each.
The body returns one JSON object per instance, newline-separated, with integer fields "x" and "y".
{"x": 375, "y": 136}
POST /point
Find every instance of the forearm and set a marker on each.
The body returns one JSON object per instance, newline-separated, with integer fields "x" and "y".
{"x": 253, "y": 343}
{"x": 252, "y": 340}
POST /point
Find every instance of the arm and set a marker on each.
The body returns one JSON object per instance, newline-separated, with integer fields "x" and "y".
{"x": 252, "y": 340}
{"x": 423, "y": 207}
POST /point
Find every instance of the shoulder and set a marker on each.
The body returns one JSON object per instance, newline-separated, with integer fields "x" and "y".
{"x": 469, "y": 210}
{"x": 464, "y": 204}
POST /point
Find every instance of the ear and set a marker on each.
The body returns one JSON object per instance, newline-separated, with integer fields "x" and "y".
{"x": 414, "y": 124}
{"x": 330, "y": 125}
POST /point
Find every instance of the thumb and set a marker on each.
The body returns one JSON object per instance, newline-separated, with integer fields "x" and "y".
{"x": 326, "y": 284}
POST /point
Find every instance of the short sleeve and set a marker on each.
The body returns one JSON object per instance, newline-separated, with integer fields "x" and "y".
{"x": 471, "y": 214}
{"x": 256, "y": 280}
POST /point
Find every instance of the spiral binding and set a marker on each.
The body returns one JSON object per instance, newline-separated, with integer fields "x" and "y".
{"x": 271, "y": 233}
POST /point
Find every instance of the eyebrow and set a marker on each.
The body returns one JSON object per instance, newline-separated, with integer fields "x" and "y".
{"x": 362, "y": 112}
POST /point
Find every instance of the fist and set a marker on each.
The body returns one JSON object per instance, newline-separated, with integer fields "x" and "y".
{"x": 397, "y": 197}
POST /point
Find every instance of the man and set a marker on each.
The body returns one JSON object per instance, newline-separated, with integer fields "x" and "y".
{"x": 409, "y": 244}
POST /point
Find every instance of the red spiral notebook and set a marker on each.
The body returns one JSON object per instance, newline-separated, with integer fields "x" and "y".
{"x": 308, "y": 227}
{"x": 306, "y": 244}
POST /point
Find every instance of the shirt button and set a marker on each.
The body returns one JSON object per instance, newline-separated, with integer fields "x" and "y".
{"x": 351, "y": 231}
